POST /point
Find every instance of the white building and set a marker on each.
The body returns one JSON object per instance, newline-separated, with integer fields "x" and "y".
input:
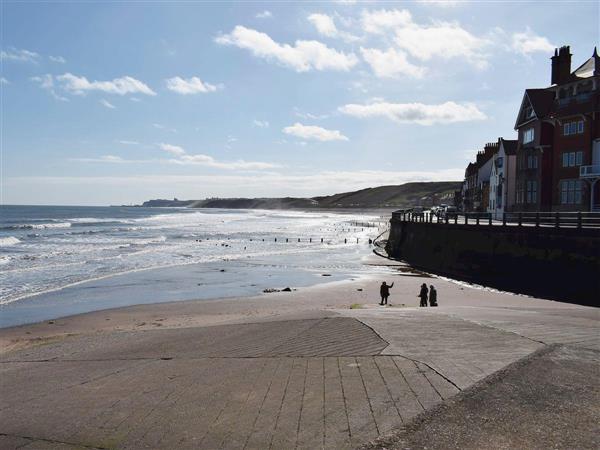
{"x": 502, "y": 179}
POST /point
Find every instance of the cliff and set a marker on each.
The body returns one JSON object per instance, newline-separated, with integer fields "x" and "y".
{"x": 394, "y": 196}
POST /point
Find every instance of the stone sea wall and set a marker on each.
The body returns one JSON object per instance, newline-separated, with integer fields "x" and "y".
{"x": 555, "y": 263}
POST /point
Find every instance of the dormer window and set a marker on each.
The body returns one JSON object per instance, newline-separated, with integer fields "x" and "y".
{"x": 528, "y": 112}
{"x": 528, "y": 136}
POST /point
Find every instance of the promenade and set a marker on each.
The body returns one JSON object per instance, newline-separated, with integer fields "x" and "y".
{"x": 307, "y": 371}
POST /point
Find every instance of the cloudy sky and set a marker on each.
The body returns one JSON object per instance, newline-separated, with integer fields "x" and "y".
{"x": 120, "y": 102}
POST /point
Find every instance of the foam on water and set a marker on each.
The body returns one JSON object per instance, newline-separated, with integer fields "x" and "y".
{"x": 102, "y": 242}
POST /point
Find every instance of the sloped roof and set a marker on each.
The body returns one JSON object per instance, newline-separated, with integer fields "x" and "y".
{"x": 510, "y": 146}
{"x": 541, "y": 101}
{"x": 588, "y": 68}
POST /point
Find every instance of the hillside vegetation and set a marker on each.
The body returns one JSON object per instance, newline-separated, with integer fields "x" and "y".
{"x": 394, "y": 196}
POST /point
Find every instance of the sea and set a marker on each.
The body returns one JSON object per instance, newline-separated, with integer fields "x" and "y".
{"x": 57, "y": 261}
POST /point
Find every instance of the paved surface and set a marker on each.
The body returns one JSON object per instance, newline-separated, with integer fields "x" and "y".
{"x": 268, "y": 385}
{"x": 334, "y": 382}
{"x": 549, "y": 400}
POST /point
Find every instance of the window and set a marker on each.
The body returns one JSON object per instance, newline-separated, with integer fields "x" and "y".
{"x": 532, "y": 162}
{"x": 572, "y": 159}
{"x": 532, "y": 192}
{"x": 528, "y": 136}
{"x": 499, "y": 162}
{"x": 520, "y": 193}
{"x": 573, "y": 128}
{"x": 570, "y": 192}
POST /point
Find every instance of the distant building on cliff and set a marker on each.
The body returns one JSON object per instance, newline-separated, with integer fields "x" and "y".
{"x": 558, "y": 151}
{"x": 502, "y": 178}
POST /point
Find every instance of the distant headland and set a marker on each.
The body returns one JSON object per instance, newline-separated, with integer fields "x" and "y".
{"x": 394, "y": 196}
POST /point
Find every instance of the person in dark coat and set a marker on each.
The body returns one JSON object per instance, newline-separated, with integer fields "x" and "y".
{"x": 423, "y": 295}
{"x": 432, "y": 296}
{"x": 384, "y": 290}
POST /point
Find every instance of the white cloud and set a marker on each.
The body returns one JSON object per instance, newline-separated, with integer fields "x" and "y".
{"x": 21, "y": 55}
{"x": 260, "y": 123}
{"x": 107, "y": 104}
{"x": 419, "y": 113}
{"x": 303, "y": 56}
{"x": 437, "y": 39}
{"x": 173, "y": 149}
{"x": 314, "y": 132}
{"x": 444, "y": 40}
{"x": 160, "y": 126}
{"x": 391, "y": 63}
{"x": 103, "y": 159}
{"x": 326, "y": 27}
{"x": 264, "y": 15}
{"x": 310, "y": 116}
{"x": 182, "y": 157}
{"x": 57, "y": 59}
{"x": 46, "y": 82}
{"x": 120, "y": 86}
{"x": 324, "y": 24}
{"x": 192, "y": 85}
{"x": 135, "y": 99}
{"x": 126, "y": 142}
{"x": 4, "y": 81}
{"x": 529, "y": 42}
{"x": 382, "y": 20}
{"x": 446, "y": 3}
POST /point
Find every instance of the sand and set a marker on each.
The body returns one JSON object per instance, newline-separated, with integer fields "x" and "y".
{"x": 362, "y": 292}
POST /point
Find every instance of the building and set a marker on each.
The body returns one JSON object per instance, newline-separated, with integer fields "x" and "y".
{"x": 475, "y": 192}
{"x": 558, "y": 150}
{"x": 502, "y": 178}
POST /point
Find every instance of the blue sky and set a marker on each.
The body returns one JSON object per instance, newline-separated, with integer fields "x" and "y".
{"x": 110, "y": 103}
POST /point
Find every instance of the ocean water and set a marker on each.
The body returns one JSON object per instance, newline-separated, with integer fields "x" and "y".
{"x": 57, "y": 261}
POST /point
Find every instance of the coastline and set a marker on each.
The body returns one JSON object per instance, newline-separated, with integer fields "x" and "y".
{"x": 361, "y": 292}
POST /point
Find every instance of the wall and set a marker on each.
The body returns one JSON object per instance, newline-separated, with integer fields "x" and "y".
{"x": 561, "y": 264}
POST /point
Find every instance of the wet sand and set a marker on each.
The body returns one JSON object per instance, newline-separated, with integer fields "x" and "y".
{"x": 300, "y": 303}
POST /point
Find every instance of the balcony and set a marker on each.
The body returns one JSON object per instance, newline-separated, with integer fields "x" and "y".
{"x": 589, "y": 171}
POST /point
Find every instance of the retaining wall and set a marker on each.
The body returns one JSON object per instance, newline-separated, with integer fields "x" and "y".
{"x": 557, "y": 263}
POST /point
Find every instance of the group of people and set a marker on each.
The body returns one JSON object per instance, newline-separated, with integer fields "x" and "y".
{"x": 431, "y": 295}
{"x": 425, "y": 294}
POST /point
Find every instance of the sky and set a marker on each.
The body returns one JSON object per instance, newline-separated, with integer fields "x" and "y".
{"x": 119, "y": 102}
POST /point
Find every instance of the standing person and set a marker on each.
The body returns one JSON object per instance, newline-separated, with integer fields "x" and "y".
{"x": 432, "y": 296}
{"x": 384, "y": 290}
{"x": 423, "y": 295}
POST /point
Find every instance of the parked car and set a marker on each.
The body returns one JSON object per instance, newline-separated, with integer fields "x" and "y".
{"x": 417, "y": 211}
{"x": 450, "y": 212}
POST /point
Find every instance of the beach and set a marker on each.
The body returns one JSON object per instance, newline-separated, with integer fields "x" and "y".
{"x": 318, "y": 367}
{"x": 292, "y": 351}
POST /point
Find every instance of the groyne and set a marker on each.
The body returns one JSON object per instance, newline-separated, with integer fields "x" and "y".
{"x": 552, "y": 262}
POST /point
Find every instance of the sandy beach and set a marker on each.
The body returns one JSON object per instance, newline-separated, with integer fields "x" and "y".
{"x": 302, "y": 302}
{"x": 318, "y": 367}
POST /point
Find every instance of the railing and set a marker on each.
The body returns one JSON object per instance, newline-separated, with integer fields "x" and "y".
{"x": 589, "y": 171}
{"x": 579, "y": 98}
{"x": 520, "y": 219}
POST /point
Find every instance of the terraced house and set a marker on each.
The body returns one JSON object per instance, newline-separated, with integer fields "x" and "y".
{"x": 558, "y": 150}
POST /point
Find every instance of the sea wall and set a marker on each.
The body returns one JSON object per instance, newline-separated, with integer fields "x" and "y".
{"x": 556, "y": 263}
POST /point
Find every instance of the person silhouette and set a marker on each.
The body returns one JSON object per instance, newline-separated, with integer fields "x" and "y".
{"x": 423, "y": 295}
{"x": 384, "y": 290}
{"x": 432, "y": 296}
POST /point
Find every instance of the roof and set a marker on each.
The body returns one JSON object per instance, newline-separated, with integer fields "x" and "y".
{"x": 510, "y": 146}
{"x": 588, "y": 68}
{"x": 541, "y": 101}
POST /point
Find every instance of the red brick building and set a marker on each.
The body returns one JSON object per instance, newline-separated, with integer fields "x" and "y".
{"x": 558, "y": 152}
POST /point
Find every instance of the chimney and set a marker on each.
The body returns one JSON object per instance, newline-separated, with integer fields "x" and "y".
{"x": 561, "y": 65}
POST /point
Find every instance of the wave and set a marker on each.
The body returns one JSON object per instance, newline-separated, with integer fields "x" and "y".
{"x": 8, "y": 241}
{"x": 37, "y": 226}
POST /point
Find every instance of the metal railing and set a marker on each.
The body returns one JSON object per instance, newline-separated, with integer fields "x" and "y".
{"x": 529, "y": 219}
{"x": 590, "y": 171}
